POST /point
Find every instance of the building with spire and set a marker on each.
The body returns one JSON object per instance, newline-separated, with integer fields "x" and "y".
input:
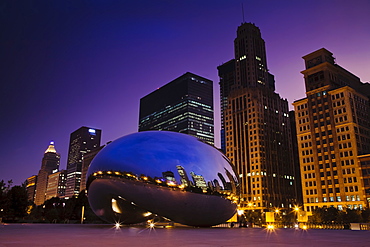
{"x": 50, "y": 164}
{"x": 82, "y": 141}
{"x": 256, "y": 134}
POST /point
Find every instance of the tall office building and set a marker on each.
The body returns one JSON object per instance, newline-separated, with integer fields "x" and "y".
{"x": 56, "y": 185}
{"x": 184, "y": 105}
{"x": 255, "y": 122}
{"x": 333, "y": 132}
{"x": 49, "y": 165}
{"x": 82, "y": 141}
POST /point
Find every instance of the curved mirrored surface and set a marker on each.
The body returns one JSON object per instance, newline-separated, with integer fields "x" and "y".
{"x": 169, "y": 174}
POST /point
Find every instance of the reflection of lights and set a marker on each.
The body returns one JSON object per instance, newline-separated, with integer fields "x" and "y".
{"x": 115, "y": 206}
{"x": 147, "y": 214}
{"x": 171, "y": 183}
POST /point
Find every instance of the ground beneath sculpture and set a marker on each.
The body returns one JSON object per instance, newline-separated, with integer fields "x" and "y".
{"x": 106, "y": 235}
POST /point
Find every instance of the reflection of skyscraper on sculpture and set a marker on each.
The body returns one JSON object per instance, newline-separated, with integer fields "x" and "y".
{"x": 226, "y": 185}
{"x": 199, "y": 181}
{"x": 169, "y": 176}
{"x": 183, "y": 176}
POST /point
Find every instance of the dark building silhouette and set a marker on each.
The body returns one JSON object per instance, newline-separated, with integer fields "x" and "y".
{"x": 333, "y": 133}
{"x": 255, "y": 125}
{"x": 184, "y": 105}
{"x": 86, "y": 161}
{"x": 50, "y": 164}
{"x": 82, "y": 141}
{"x": 31, "y": 188}
{"x": 296, "y": 166}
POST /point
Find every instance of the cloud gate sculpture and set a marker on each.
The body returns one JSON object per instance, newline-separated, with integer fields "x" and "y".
{"x": 162, "y": 173}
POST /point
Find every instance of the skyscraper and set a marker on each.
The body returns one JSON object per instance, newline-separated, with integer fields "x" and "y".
{"x": 82, "y": 141}
{"x": 49, "y": 165}
{"x": 255, "y": 125}
{"x": 183, "y": 105}
{"x": 333, "y": 132}
{"x": 56, "y": 185}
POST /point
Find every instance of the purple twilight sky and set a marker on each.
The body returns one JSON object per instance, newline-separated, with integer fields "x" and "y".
{"x": 67, "y": 64}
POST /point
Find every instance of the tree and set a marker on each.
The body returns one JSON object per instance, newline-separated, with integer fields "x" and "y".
{"x": 17, "y": 202}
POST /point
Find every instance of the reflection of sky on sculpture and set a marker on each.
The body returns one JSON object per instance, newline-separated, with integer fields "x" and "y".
{"x": 153, "y": 152}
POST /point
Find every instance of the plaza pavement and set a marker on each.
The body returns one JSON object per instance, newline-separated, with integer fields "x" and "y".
{"x": 20, "y": 235}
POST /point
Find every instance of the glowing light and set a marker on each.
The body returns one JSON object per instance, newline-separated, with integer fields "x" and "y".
{"x": 115, "y": 206}
{"x": 296, "y": 226}
{"x": 147, "y": 214}
{"x": 277, "y": 211}
{"x": 296, "y": 208}
{"x": 117, "y": 225}
{"x": 304, "y": 227}
{"x": 92, "y": 131}
{"x": 270, "y": 227}
{"x": 240, "y": 212}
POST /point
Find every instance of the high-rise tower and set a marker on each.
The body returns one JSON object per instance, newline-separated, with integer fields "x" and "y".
{"x": 255, "y": 125}
{"x": 82, "y": 141}
{"x": 49, "y": 165}
{"x": 333, "y": 132}
{"x": 183, "y": 105}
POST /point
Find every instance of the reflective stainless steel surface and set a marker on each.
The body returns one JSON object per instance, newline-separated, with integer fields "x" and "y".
{"x": 169, "y": 174}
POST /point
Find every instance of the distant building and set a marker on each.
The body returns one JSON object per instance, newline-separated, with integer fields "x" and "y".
{"x": 333, "y": 132}
{"x": 50, "y": 164}
{"x": 56, "y": 185}
{"x": 86, "y": 161}
{"x": 82, "y": 141}
{"x": 31, "y": 188}
{"x": 184, "y": 105}
{"x": 256, "y": 132}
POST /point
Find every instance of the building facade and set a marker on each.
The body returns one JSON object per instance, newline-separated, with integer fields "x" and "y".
{"x": 333, "y": 132}
{"x": 86, "y": 161}
{"x": 256, "y": 125}
{"x": 82, "y": 141}
{"x": 56, "y": 185}
{"x": 31, "y": 188}
{"x": 50, "y": 164}
{"x": 184, "y": 105}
